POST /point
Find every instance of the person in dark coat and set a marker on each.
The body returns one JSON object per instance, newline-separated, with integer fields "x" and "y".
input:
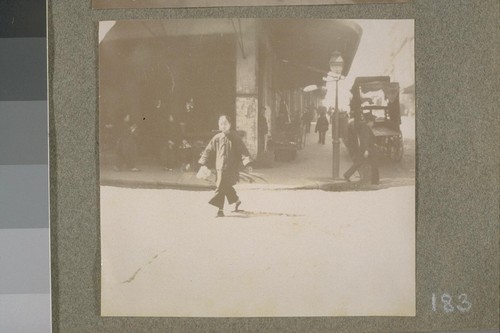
{"x": 170, "y": 154}
{"x": 188, "y": 118}
{"x": 367, "y": 153}
{"x": 127, "y": 146}
{"x": 307, "y": 117}
{"x": 283, "y": 119}
{"x": 230, "y": 153}
{"x": 322, "y": 127}
{"x": 352, "y": 141}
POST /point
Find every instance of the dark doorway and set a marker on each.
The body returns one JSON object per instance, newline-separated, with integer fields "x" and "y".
{"x": 150, "y": 79}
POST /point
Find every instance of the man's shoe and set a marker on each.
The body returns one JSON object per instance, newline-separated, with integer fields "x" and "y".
{"x": 220, "y": 213}
{"x": 237, "y": 206}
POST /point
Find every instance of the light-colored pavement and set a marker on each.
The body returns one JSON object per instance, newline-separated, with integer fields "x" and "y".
{"x": 311, "y": 169}
{"x": 290, "y": 253}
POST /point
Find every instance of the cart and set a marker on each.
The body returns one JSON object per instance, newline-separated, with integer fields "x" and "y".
{"x": 378, "y": 96}
{"x": 286, "y": 143}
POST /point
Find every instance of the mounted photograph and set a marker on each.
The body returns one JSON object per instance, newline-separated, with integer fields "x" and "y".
{"x": 257, "y": 167}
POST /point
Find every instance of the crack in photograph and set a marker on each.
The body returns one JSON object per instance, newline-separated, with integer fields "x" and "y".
{"x": 257, "y": 167}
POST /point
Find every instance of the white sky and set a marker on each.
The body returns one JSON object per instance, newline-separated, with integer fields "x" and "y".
{"x": 372, "y": 57}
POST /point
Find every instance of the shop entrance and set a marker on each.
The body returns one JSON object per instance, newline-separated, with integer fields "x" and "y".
{"x": 147, "y": 81}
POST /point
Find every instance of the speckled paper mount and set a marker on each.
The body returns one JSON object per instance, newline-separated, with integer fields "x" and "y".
{"x": 456, "y": 50}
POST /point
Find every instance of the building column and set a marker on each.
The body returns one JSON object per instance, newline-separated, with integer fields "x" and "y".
{"x": 246, "y": 84}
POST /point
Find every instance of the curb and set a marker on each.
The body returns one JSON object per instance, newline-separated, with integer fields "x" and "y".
{"x": 329, "y": 186}
{"x": 144, "y": 184}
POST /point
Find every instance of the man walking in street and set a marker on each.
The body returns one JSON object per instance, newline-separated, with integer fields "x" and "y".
{"x": 367, "y": 153}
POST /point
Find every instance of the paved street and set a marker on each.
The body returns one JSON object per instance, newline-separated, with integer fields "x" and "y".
{"x": 290, "y": 253}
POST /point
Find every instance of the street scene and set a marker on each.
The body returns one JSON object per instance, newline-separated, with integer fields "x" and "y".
{"x": 254, "y": 167}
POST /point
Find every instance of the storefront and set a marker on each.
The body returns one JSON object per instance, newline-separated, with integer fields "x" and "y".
{"x": 194, "y": 70}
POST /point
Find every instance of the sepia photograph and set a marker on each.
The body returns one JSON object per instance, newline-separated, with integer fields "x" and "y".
{"x": 257, "y": 167}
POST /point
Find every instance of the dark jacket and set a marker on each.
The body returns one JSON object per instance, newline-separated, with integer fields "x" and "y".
{"x": 366, "y": 139}
{"x": 229, "y": 152}
{"x": 322, "y": 124}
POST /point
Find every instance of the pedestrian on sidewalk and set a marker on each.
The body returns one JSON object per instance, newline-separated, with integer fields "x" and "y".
{"x": 367, "y": 153}
{"x": 322, "y": 127}
{"x": 230, "y": 153}
{"x": 283, "y": 120}
{"x": 126, "y": 154}
{"x": 351, "y": 140}
{"x": 186, "y": 155}
{"x": 307, "y": 117}
{"x": 169, "y": 151}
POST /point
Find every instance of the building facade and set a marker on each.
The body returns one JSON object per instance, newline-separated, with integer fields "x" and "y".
{"x": 194, "y": 70}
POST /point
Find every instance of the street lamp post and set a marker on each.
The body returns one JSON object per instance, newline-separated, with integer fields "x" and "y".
{"x": 335, "y": 135}
{"x": 335, "y": 74}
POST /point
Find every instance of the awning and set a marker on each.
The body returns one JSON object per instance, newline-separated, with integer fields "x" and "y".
{"x": 304, "y": 47}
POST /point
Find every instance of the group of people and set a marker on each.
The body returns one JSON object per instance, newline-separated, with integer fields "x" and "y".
{"x": 171, "y": 146}
{"x": 226, "y": 152}
{"x": 174, "y": 149}
{"x": 322, "y": 123}
{"x": 229, "y": 152}
{"x": 177, "y": 150}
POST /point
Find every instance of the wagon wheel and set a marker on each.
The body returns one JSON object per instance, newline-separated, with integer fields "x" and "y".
{"x": 396, "y": 149}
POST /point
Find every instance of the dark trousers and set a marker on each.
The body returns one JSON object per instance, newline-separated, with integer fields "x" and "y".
{"x": 308, "y": 126}
{"x": 359, "y": 162}
{"x": 322, "y": 137}
{"x": 224, "y": 190}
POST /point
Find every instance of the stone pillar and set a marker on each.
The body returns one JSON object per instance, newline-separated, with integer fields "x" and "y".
{"x": 246, "y": 84}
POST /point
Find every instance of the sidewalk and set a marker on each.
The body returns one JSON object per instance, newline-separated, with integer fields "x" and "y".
{"x": 312, "y": 169}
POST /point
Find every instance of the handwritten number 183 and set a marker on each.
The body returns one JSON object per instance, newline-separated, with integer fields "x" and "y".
{"x": 448, "y": 305}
